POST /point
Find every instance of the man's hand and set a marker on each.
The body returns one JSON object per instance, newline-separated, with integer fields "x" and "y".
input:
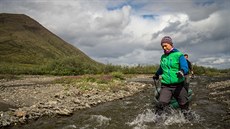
{"x": 192, "y": 72}
{"x": 192, "y": 75}
{"x": 180, "y": 74}
{"x": 155, "y": 77}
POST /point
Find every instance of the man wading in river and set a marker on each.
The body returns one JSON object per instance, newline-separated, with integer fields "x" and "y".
{"x": 187, "y": 77}
{"x": 173, "y": 67}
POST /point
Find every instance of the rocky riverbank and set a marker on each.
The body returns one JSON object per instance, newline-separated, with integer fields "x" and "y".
{"x": 31, "y": 97}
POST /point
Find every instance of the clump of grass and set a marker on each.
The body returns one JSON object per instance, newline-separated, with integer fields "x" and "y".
{"x": 118, "y": 75}
{"x": 99, "y": 82}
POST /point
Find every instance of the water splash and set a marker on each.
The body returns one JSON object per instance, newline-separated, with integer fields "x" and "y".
{"x": 173, "y": 117}
{"x": 145, "y": 117}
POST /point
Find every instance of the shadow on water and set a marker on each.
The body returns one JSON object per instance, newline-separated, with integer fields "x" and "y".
{"x": 6, "y": 107}
{"x": 137, "y": 112}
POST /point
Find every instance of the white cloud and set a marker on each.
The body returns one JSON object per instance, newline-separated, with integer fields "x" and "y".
{"x": 117, "y": 31}
{"x": 215, "y": 61}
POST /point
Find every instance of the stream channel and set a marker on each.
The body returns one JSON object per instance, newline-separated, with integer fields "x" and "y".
{"x": 137, "y": 112}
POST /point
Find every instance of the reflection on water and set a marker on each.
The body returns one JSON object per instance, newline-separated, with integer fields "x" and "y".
{"x": 137, "y": 112}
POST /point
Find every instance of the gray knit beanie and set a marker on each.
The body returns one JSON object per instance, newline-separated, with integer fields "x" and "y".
{"x": 166, "y": 39}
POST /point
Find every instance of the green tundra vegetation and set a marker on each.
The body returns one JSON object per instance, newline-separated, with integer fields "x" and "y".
{"x": 26, "y": 47}
{"x": 103, "y": 82}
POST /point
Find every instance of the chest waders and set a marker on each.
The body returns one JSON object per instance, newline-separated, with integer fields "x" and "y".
{"x": 173, "y": 102}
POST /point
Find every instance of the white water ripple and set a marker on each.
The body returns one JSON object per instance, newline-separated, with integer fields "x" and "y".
{"x": 100, "y": 119}
{"x": 70, "y": 127}
{"x": 173, "y": 117}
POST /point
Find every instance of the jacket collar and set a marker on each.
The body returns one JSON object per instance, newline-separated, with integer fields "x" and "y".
{"x": 171, "y": 51}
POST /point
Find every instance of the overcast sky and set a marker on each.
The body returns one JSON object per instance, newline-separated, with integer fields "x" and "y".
{"x": 129, "y": 31}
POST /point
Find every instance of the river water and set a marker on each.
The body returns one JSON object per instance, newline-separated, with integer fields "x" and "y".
{"x": 137, "y": 112}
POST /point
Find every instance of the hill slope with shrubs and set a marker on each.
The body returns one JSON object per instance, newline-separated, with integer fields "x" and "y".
{"x": 29, "y": 48}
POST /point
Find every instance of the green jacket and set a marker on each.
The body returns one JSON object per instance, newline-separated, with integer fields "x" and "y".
{"x": 170, "y": 64}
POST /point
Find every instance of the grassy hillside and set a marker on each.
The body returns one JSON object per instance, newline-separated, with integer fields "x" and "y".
{"x": 27, "y": 47}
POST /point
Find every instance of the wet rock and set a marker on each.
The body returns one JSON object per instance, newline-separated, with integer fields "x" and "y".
{"x": 64, "y": 112}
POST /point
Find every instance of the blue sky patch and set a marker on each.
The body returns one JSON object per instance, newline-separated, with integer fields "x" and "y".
{"x": 149, "y": 16}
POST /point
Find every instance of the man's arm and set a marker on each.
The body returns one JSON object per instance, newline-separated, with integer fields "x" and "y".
{"x": 183, "y": 65}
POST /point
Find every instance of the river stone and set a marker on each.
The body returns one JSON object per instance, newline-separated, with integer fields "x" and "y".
{"x": 64, "y": 112}
{"x": 19, "y": 113}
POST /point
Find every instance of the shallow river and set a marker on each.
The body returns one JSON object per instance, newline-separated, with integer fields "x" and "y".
{"x": 137, "y": 112}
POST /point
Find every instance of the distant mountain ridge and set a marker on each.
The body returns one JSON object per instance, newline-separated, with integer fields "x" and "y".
{"x": 25, "y": 42}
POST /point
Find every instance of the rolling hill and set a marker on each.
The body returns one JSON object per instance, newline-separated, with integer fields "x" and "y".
{"x": 26, "y": 47}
